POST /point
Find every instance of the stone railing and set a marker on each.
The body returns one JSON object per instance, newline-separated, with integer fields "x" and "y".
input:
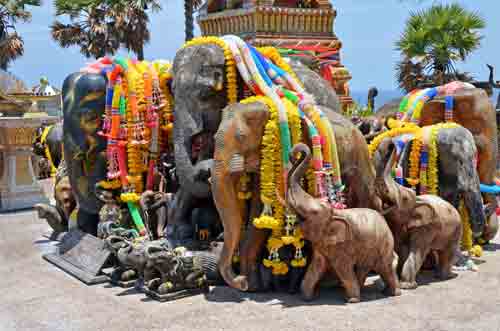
{"x": 272, "y": 21}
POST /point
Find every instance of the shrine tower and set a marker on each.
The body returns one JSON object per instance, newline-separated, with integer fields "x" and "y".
{"x": 298, "y": 28}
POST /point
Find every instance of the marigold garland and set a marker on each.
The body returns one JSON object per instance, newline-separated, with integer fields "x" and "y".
{"x": 395, "y": 132}
{"x": 433, "y": 176}
{"x": 416, "y": 149}
{"x": 466, "y": 244}
{"x": 231, "y": 73}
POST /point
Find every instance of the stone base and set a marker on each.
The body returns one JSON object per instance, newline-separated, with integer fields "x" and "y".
{"x": 22, "y": 198}
{"x": 80, "y": 274}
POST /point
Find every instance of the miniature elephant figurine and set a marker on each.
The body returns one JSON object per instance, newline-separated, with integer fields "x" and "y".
{"x": 419, "y": 224}
{"x": 351, "y": 241}
{"x": 132, "y": 256}
{"x": 177, "y": 270}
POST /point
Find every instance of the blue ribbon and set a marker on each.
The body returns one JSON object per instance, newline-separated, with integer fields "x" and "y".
{"x": 490, "y": 189}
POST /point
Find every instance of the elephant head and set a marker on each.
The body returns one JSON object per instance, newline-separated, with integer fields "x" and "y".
{"x": 316, "y": 215}
{"x": 161, "y": 258}
{"x": 238, "y": 142}
{"x": 298, "y": 199}
{"x": 198, "y": 90}
{"x": 65, "y": 199}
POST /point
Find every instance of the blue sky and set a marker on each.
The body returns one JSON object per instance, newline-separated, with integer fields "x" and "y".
{"x": 367, "y": 28}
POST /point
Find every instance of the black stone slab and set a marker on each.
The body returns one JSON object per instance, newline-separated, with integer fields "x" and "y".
{"x": 174, "y": 295}
{"x": 81, "y": 255}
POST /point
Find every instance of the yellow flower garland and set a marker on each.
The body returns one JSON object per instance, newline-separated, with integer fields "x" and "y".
{"x": 416, "y": 148}
{"x": 467, "y": 232}
{"x": 46, "y": 150}
{"x": 432, "y": 172}
{"x": 395, "y": 132}
{"x": 231, "y": 73}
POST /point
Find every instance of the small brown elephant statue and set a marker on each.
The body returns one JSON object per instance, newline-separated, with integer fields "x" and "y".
{"x": 351, "y": 241}
{"x": 420, "y": 224}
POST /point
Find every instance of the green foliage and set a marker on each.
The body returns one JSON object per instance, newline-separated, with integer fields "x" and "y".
{"x": 100, "y": 27}
{"x": 357, "y": 110}
{"x": 438, "y": 37}
{"x": 11, "y": 44}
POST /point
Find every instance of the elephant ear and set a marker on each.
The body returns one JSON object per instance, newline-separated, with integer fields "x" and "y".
{"x": 339, "y": 231}
{"x": 423, "y": 214}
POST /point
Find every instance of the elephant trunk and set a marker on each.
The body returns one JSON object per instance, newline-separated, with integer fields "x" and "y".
{"x": 302, "y": 202}
{"x": 188, "y": 128}
{"x": 385, "y": 185}
{"x": 474, "y": 205}
{"x": 226, "y": 201}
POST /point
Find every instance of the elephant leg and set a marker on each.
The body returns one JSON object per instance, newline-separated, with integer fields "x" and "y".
{"x": 403, "y": 252}
{"x": 345, "y": 271}
{"x": 448, "y": 256}
{"x": 361, "y": 274}
{"x": 390, "y": 278}
{"x": 87, "y": 222}
{"x": 314, "y": 273}
{"x": 179, "y": 229}
{"x": 253, "y": 245}
{"x": 420, "y": 244}
{"x": 250, "y": 253}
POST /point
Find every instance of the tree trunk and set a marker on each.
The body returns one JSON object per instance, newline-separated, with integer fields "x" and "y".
{"x": 4, "y": 63}
{"x": 188, "y": 17}
{"x": 140, "y": 53}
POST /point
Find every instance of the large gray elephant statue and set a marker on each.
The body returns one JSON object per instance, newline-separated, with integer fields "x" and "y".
{"x": 84, "y": 150}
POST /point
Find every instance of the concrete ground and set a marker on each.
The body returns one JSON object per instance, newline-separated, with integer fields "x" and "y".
{"x": 38, "y": 296}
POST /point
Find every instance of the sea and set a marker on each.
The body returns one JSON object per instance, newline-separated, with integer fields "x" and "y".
{"x": 385, "y": 96}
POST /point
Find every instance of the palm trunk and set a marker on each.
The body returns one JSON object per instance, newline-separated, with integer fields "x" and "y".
{"x": 140, "y": 53}
{"x": 4, "y": 63}
{"x": 188, "y": 17}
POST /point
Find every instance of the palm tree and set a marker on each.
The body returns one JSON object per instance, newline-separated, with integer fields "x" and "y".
{"x": 90, "y": 28}
{"x": 100, "y": 27}
{"x": 189, "y": 7}
{"x": 132, "y": 20}
{"x": 11, "y": 44}
{"x": 436, "y": 38}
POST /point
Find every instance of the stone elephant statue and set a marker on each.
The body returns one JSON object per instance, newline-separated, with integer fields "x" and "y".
{"x": 49, "y": 139}
{"x": 419, "y": 224}
{"x": 351, "y": 241}
{"x": 238, "y": 143}
{"x": 83, "y": 96}
{"x": 176, "y": 270}
{"x": 457, "y": 174}
{"x": 58, "y": 216}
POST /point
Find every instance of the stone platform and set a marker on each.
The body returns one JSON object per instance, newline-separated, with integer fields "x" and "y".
{"x": 38, "y": 296}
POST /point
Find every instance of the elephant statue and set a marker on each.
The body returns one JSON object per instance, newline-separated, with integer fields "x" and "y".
{"x": 198, "y": 90}
{"x": 457, "y": 175}
{"x": 132, "y": 256}
{"x": 351, "y": 241}
{"x": 177, "y": 271}
{"x": 419, "y": 224}
{"x": 48, "y": 140}
{"x": 237, "y": 151}
{"x": 155, "y": 207}
{"x": 58, "y": 216}
{"x": 473, "y": 110}
{"x": 84, "y": 150}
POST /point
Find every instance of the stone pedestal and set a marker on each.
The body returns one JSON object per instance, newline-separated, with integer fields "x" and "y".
{"x": 19, "y": 188}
